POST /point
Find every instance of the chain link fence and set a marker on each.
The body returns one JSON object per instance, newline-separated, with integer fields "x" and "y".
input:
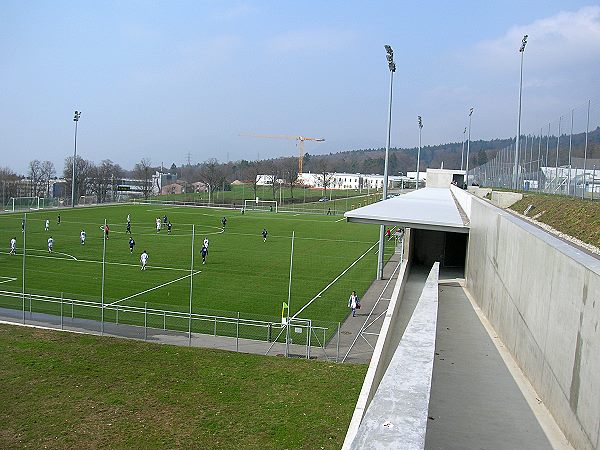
{"x": 561, "y": 157}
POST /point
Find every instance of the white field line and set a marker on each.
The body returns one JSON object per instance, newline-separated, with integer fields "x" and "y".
{"x": 100, "y": 262}
{"x": 339, "y": 220}
{"x": 8, "y": 279}
{"x": 334, "y": 280}
{"x": 154, "y": 288}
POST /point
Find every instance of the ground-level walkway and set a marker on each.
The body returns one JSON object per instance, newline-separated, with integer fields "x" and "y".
{"x": 475, "y": 401}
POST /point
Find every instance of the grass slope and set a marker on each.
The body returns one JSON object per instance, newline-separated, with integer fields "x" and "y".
{"x": 569, "y": 215}
{"x": 61, "y": 390}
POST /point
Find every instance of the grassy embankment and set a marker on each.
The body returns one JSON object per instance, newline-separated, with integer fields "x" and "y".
{"x": 61, "y": 390}
{"x": 569, "y": 215}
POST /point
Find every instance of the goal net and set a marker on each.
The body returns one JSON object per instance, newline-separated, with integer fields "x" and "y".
{"x": 22, "y": 203}
{"x": 87, "y": 200}
{"x": 260, "y": 205}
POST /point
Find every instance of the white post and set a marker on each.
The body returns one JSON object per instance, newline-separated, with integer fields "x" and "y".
{"x": 289, "y": 299}
{"x": 24, "y": 251}
{"x": 104, "y": 236}
{"x": 557, "y": 147}
{"x": 468, "y": 149}
{"x": 191, "y": 282}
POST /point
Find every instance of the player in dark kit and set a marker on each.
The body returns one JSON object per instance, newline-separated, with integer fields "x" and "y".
{"x": 128, "y": 230}
{"x": 204, "y": 252}
{"x": 224, "y": 222}
{"x": 169, "y": 227}
{"x": 264, "y": 234}
{"x": 131, "y": 244}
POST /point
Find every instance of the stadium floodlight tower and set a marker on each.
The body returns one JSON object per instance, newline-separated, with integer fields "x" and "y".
{"x": 468, "y": 149}
{"x": 420, "y": 122}
{"x": 76, "y": 120}
{"x": 392, "y": 68}
{"x": 516, "y": 167}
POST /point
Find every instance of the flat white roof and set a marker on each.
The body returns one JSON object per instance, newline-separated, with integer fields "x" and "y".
{"x": 427, "y": 208}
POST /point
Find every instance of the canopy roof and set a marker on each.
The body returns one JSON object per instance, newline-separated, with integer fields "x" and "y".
{"x": 427, "y": 208}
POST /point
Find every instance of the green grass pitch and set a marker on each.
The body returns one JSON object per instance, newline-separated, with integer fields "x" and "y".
{"x": 242, "y": 274}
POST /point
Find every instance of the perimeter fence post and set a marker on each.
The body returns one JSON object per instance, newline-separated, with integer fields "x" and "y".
{"x": 72, "y": 310}
{"x": 215, "y": 330}
{"x": 117, "y": 316}
{"x": 337, "y": 345}
{"x": 24, "y": 304}
{"x": 190, "y": 330}
{"x": 30, "y": 313}
{"x": 164, "y": 320}
{"x": 237, "y": 333}
{"x": 61, "y": 311}
{"x": 145, "y": 321}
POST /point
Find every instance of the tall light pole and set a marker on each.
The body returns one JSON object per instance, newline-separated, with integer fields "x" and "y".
{"x": 420, "y": 122}
{"x": 76, "y": 120}
{"x": 468, "y": 149}
{"x": 462, "y": 153}
{"x": 392, "y": 68}
{"x": 516, "y": 167}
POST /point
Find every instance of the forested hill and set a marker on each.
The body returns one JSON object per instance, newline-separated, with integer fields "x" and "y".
{"x": 404, "y": 160}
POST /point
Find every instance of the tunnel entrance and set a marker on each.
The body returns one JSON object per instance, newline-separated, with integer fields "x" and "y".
{"x": 450, "y": 249}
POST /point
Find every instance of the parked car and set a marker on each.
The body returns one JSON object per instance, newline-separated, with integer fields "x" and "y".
{"x": 323, "y": 199}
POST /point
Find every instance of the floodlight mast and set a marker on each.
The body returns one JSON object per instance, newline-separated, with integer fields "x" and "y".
{"x": 76, "y": 120}
{"x": 516, "y": 166}
{"x": 392, "y": 68}
{"x": 420, "y": 122}
{"x": 468, "y": 149}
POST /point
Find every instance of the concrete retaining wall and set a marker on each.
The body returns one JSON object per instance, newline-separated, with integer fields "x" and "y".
{"x": 543, "y": 298}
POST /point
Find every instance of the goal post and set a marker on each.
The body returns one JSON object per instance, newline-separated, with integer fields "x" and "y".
{"x": 260, "y": 205}
{"x": 22, "y": 203}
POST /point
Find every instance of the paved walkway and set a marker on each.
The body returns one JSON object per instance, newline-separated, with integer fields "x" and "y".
{"x": 475, "y": 402}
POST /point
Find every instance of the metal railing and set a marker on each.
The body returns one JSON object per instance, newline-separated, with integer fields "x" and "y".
{"x": 231, "y": 331}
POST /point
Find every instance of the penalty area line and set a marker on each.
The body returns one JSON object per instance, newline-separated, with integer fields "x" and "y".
{"x": 154, "y": 288}
{"x": 7, "y": 279}
{"x": 334, "y": 280}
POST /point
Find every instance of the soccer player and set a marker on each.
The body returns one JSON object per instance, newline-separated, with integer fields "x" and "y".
{"x": 128, "y": 230}
{"x": 131, "y": 244}
{"x": 22, "y": 225}
{"x": 106, "y": 230}
{"x": 46, "y": 225}
{"x": 165, "y": 220}
{"x": 264, "y": 234}
{"x": 144, "y": 260}
{"x": 224, "y": 222}
{"x": 58, "y": 220}
{"x": 50, "y": 244}
{"x": 82, "y": 237}
{"x": 128, "y": 218}
{"x": 13, "y": 246}
{"x": 158, "y": 224}
{"x": 204, "y": 252}
{"x": 169, "y": 227}
{"x": 206, "y": 244}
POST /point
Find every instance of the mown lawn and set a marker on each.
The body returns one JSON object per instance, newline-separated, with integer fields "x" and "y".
{"x": 61, "y": 390}
{"x": 569, "y": 215}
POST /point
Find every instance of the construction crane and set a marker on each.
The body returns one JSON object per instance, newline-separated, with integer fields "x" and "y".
{"x": 299, "y": 140}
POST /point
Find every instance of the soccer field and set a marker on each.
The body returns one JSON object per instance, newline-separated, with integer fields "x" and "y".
{"x": 242, "y": 273}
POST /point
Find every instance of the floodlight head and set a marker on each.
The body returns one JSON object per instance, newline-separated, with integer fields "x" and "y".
{"x": 523, "y": 43}
{"x": 392, "y": 67}
{"x": 420, "y": 120}
{"x": 389, "y": 50}
{"x": 470, "y": 112}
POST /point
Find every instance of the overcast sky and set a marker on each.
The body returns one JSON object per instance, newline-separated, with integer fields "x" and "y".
{"x": 161, "y": 79}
